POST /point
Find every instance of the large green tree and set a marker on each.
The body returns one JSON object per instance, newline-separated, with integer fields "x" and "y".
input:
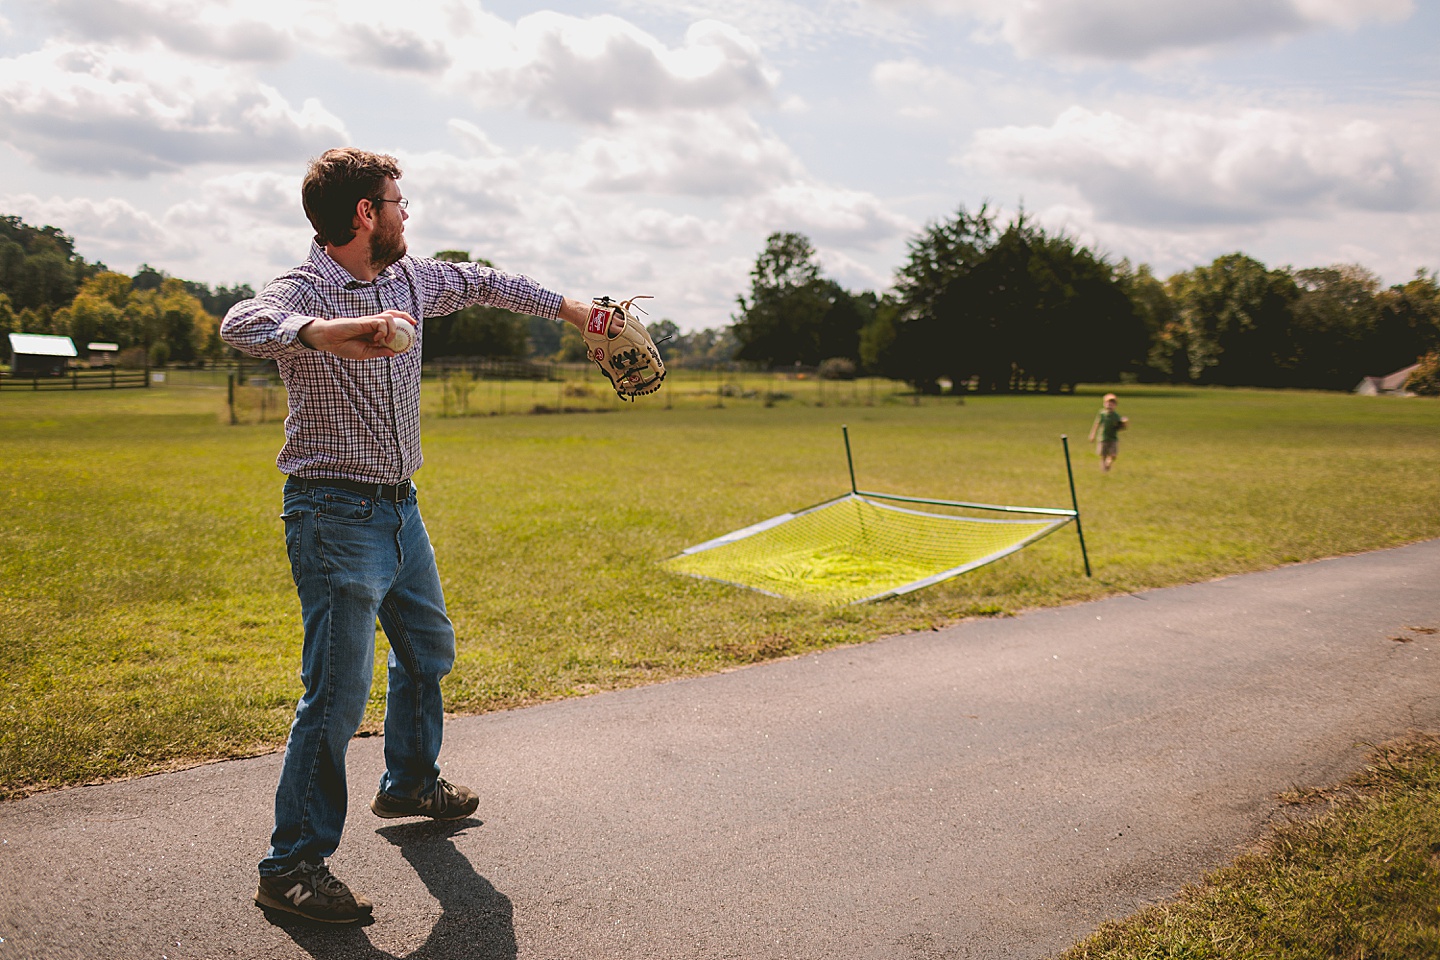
{"x": 167, "y": 320}
{"x": 794, "y": 315}
{"x": 1014, "y": 309}
{"x": 39, "y": 268}
{"x": 1166, "y": 359}
{"x": 1407, "y": 324}
{"x": 912, "y": 338}
{"x": 1333, "y": 321}
{"x": 1237, "y": 319}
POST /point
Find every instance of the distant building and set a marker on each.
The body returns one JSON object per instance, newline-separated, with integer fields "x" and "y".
{"x": 1391, "y": 386}
{"x": 38, "y": 355}
{"x": 102, "y": 354}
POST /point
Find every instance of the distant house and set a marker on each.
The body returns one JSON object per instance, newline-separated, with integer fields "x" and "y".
{"x": 1391, "y": 386}
{"x": 38, "y": 355}
{"x": 102, "y": 354}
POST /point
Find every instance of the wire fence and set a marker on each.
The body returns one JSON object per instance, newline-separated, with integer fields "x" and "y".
{"x": 579, "y": 388}
{"x": 251, "y": 391}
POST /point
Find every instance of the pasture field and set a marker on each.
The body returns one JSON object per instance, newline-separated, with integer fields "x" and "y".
{"x": 147, "y": 618}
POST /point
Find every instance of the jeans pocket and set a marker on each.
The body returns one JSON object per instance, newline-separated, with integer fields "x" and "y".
{"x": 294, "y": 531}
{"x": 344, "y": 507}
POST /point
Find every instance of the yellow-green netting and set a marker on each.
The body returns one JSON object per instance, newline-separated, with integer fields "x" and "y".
{"x": 855, "y": 548}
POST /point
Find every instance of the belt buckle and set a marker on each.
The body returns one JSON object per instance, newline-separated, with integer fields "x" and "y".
{"x": 394, "y": 490}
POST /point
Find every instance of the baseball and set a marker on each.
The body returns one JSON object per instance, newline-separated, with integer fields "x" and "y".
{"x": 402, "y": 338}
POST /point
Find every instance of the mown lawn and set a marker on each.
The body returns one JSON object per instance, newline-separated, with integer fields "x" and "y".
{"x": 1359, "y": 880}
{"x": 147, "y": 618}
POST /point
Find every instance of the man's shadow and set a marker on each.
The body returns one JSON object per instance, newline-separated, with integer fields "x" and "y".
{"x": 477, "y": 921}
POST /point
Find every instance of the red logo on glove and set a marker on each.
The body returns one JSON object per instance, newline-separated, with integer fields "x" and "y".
{"x": 599, "y": 320}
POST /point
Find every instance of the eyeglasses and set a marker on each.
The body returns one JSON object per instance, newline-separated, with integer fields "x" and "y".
{"x": 403, "y": 201}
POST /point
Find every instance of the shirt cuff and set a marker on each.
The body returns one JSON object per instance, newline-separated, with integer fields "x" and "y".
{"x": 287, "y": 334}
{"x": 548, "y": 304}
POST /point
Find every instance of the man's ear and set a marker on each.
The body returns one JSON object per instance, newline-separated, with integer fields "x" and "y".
{"x": 364, "y": 218}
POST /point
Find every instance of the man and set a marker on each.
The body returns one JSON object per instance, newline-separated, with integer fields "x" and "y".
{"x": 357, "y": 546}
{"x": 1108, "y": 423}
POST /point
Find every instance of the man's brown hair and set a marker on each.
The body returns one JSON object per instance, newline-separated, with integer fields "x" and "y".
{"x": 336, "y": 181}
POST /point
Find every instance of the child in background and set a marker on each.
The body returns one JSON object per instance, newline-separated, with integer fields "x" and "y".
{"x": 1108, "y": 423}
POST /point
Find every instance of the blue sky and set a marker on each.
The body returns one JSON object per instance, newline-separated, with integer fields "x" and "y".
{"x": 640, "y": 146}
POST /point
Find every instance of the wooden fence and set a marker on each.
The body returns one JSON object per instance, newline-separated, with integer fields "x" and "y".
{"x": 111, "y": 379}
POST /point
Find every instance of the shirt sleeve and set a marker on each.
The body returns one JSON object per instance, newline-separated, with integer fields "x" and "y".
{"x": 269, "y": 325}
{"x": 446, "y": 287}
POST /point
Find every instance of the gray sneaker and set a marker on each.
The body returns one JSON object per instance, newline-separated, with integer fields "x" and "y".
{"x": 447, "y": 801}
{"x": 311, "y": 890}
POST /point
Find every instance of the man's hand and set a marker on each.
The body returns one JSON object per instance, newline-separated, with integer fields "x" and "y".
{"x": 577, "y": 314}
{"x": 358, "y": 338}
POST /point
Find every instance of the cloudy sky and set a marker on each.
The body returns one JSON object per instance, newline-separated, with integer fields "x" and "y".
{"x": 650, "y": 146}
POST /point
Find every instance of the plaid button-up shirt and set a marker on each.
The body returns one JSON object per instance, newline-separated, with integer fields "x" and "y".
{"x": 360, "y": 419}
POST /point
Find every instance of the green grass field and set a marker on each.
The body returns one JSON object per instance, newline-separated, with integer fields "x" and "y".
{"x": 147, "y": 618}
{"x": 1358, "y": 879}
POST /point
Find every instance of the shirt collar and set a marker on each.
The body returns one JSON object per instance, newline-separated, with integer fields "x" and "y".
{"x": 331, "y": 270}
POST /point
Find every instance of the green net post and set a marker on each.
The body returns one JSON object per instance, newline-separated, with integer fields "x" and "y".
{"x": 849, "y": 462}
{"x": 1074, "y": 502}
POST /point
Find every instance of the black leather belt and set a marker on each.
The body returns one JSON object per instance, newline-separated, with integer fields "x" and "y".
{"x": 394, "y": 492}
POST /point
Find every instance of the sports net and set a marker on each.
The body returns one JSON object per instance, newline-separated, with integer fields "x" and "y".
{"x": 857, "y": 548}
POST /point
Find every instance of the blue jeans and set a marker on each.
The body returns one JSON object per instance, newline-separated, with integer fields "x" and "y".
{"x": 355, "y": 558}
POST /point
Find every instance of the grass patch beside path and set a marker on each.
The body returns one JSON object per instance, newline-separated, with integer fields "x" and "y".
{"x": 147, "y": 617}
{"x": 1361, "y": 880}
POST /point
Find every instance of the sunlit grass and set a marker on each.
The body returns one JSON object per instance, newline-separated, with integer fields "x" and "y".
{"x": 1360, "y": 880}
{"x": 147, "y": 616}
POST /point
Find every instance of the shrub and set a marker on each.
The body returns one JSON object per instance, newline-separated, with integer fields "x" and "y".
{"x": 1424, "y": 380}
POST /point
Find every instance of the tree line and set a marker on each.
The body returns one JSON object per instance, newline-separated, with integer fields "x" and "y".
{"x": 47, "y": 288}
{"x": 991, "y": 307}
{"x": 977, "y": 305}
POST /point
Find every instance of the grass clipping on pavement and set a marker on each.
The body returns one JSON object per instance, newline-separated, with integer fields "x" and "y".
{"x": 1359, "y": 880}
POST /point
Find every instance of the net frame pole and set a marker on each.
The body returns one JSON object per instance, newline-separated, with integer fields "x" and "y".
{"x": 1075, "y": 502}
{"x": 849, "y": 461}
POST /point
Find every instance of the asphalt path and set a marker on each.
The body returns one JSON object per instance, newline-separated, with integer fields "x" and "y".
{"x": 993, "y": 789}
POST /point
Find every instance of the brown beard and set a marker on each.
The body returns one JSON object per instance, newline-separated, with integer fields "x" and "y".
{"x": 387, "y": 246}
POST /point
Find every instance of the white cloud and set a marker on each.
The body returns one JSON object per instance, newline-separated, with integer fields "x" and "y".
{"x": 1189, "y": 168}
{"x": 593, "y": 70}
{"x": 925, "y": 92}
{"x": 106, "y": 225}
{"x": 791, "y": 24}
{"x": 96, "y": 109}
{"x": 256, "y": 194}
{"x": 1130, "y": 30}
{"x": 226, "y": 31}
{"x": 835, "y": 216}
{"x": 704, "y": 154}
{"x": 557, "y": 66}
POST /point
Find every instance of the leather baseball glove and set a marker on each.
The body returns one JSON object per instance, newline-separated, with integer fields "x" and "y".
{"x": 628, "y": 357}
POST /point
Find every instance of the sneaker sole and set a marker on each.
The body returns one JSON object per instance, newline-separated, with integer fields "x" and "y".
{"x": 398, "y": 815}
{"x": 386, "y": 814}
{"x": 266, "y": 902}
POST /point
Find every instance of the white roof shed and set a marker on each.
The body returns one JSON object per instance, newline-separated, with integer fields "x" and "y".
{"x": 41, "y": 345}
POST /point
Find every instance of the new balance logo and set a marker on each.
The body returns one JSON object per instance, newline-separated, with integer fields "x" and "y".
{"x": 298, "y": 894}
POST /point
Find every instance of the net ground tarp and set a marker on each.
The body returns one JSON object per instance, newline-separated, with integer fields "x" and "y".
{"x": 856, "y": 548}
